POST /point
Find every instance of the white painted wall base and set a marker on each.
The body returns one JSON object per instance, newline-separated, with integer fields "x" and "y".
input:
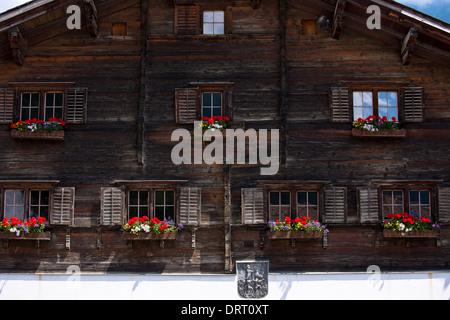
{"x": 305, "y": 286}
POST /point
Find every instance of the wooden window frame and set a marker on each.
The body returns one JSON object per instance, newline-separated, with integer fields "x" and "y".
{"x": 42, "y": 102}
{"x": 308, "y": 191}
{"x": 294, "y": 205}
{"x": 196, "y": 26}
{"x": 213, "y": 23}
{"x": 375, "y": 101}
{"x": 165, "y": 205}
{"x": 406, "y": 189}
{"x": 27, "y": 189}
{"x": 151, "y": 190}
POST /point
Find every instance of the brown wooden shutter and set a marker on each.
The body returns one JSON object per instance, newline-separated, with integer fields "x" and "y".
{"x": 368, "y": 205}
{"x": 187, "y": 20}
{"x": 111, "y": 206}
{"x": 190, "y": 206}
{"x": 76, "y": 105}
{"x": 252, "y": 205}
{"x": 335, "y": 204}
{"x": 444, "y": 204}
{"x": 63, "y": 206}
{"x": 413, "y": 104}
{"x": 339, "y": 105}
{"x": 187, "y": 105}
{"x": 6, "y": 106}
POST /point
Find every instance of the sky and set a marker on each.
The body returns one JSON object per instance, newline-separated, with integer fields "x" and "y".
{"x": 437, "y": 8}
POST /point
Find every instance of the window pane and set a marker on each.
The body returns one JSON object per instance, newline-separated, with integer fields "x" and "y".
{"x": 208, "y": 28}
{"x": 170, "y": 197}
{"x": 367, "y": 99}
{"x": 219, "y": 28}
{"x": 382, "y": 99}
{"x": 143, "y": 211}
{"x": 45, "y": 198}
{"x": 49, "y": 99}
{"x": 134, "y": 198}
{"x": 219, "y": 16}
{"x": 59, "y": 98}
{"x": 206, "y": 112}
{"x": 208, "y": 16}
{"x": 392, "y": 99}
{"x": 312, "y": 198}
{"x": 34, "y": 212}
{"x": 207, "y": 99}
{"x": 9, "y": 212}
{"x": 302, "y": 198}
{"x": 44, "y": 212}
{"x": 383, "y": 112}
{"x": 274, "y": 198}
{"x": 393, "y": 112}
{"x": 368, "y": 111}
{"x": 414, "y": 197}
{"x": 159, "y": 198}
{"x": 132, "y": 212}
{"x": 217, "y": 100}
{"x": 358, "y": 113}
{"x": 35, "y": 99}
{"x": 285, "y": 198}
{"x": 424, "y": 197}
{"x": 9, "y": 197}
{"x": 398, "y": 197}
{"x": 18, "y": 212}
{"x": 217, "y": 111}
{"x": 357, "y": 99}
{"x": 159, "y": 213}
{"x": 143, "y": 198}
{"x": 26, "y": 99}
{"x": 34, "y": 197}
{"x": 170, "y": 212}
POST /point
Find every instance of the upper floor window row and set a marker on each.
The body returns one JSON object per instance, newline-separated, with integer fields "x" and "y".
{"x": 27, "y": 103}
{"x": 195, "y": 20}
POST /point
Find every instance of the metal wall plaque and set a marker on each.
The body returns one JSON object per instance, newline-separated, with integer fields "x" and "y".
{"x": 252, "y": 279}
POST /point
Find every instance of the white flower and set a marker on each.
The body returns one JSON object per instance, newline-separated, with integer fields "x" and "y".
{"x": 146, "y": 228}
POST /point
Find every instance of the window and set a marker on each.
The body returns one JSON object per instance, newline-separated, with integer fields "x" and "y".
{"x": 279, "y": 205}
{"x": 213, "y": 22}
{"x": 419, "y": 203}
{"x": 308, "y": 204}
{"x": 14, "y": 204}
{"x": 31, "y": 106}
{"x": 392, "y": 202}
{"x": 26, "y": 203}
{"x": 159, "y": 203}
{"x": 212, "y": 103}
{"x": 383, "y": 103}
{"x": 138, "y": 203}
{"x": 194, "y": 20}
{"x": 54, "y": 103}
{"x": 164, "y": 204}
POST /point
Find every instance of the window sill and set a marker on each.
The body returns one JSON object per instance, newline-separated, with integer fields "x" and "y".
{"x": 400, "y": 133}
{"x": 294, "y": 235}
{"x": 38, "y": 135}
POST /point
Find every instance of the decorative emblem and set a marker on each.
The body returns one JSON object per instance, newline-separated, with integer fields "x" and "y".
{"x": 252, "y": 279}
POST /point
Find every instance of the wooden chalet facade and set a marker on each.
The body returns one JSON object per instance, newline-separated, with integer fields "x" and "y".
{"x": 138, "y": 69}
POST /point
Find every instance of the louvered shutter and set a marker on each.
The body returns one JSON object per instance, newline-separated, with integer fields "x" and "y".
{"x": 252, "y": 205}
{"x": 413, "y": 100}
{"x": 6, "y": 106}
{"x": 335, "y": 204}
{"x": 187, "y": 105}
{"x": 63, "y": 206}
{"x": 444, "y": 204}
{"x": 339, "y": 105}
{"x": 111, "y": 207}
{"x": 190, "y": 206}
{"x": 187, "y": 20}
{"x": 368, "y": 205}
{"x": 76, "y": 105}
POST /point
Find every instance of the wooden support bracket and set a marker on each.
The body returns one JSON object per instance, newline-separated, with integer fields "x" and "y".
{"x": 338, "y": 23}
{"x": 99, "y": 240}
{"x": 408, "y": 45}
{"x": 91, "y": 18}
{"x": 194, "y": 238}
{"x": 68, "y": 239}
{"x": 18, "y": 45}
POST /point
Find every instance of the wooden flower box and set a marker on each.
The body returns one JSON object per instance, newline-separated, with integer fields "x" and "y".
{"x": 399, "y": 133}
{"x": 25, "y": 236}
{"x": 411, "y": 234}
{"x": 294, "y": 235}
{"x": 38, "y": 135}
{"x": 162, "y": 237}
{"x": 150, "y": 236}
